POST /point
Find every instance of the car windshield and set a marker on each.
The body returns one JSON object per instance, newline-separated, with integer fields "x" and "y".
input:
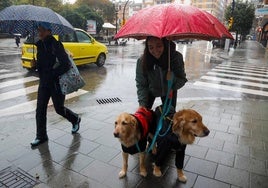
{"x": 29, "y": 40}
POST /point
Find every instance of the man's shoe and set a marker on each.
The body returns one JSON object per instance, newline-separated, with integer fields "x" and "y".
{"x": 37, "y": 142}
{"x": 76, "y": 126}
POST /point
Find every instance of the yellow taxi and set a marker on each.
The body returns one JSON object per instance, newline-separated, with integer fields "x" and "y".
{"x": 82, "y": 46}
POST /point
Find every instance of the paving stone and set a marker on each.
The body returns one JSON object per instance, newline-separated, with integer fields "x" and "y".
{"x": 233, "y": 186}
{"x": 76, "y": 162}
{"x": 68, "y": 140}
{"x": 104, "y": 153}
{"x": 133, "y": 161}
{"x": 130, "y": 181}
{"x": 242, "y": 140}
{"x": 259, "y": 154}
{"x": 233, "y": 112}
{"x": 251, "y": 165}
{"x": 196, "y": 151}
{"x": 230, "y": 122}
{"x": 225, "y": 116}
{"x": 28, "y": 161}
{"x": 99, "y": 171}
{"x": 226, "y": 137}
{"x": 240, "y": 131}
{"x": 85, "y": 146}
{"x": 171, "y": 160}
{"x": 201, "y": 167}
{"x": 203, "y": 182}
{"x": 107, "y": 140}
{"x": 94, "y": 124}
{"x": 56, "y": 133}
{"x": 218, "y": 127}
{"x": 91, "y": 134}
{"x": 220, "y": 157}
{"x": 211, "y": 143}
{"x": 13, "y": 153}
{"x": 68, "y": 178}
{"x": 236, "y": 149}
{"x": 211, "y": 119}
{"x": 232, "y": 176}
{"x": 45, "y": 170}
{"x": 168, "y": 180}
{"x": 258, "y": 181}
{"x": 56, "y": 152}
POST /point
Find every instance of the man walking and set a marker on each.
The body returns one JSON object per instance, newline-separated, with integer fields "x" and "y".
{"x": 48, "y": 50}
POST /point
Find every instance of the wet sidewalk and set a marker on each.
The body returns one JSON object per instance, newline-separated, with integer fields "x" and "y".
{"x": 234, "y": 155}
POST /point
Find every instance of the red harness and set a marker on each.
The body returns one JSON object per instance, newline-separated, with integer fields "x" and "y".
{"x": 145, "y": 117}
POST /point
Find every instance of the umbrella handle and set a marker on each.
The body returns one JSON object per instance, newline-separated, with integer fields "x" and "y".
{"x": 169, "y": 74}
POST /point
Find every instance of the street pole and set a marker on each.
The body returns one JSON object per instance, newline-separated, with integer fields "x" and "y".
{"x": 124, "y": 20}
{"x": 116, "y": 24}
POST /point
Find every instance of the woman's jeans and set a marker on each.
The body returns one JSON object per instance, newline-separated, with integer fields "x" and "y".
{"x": 44, "y": 93}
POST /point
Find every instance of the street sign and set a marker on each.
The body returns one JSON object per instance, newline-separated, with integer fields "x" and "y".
{"x": 261, "y": 11}
{"x": 91, "y": 26}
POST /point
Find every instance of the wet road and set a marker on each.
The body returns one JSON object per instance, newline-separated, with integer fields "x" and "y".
{"x": 212, "y": 73}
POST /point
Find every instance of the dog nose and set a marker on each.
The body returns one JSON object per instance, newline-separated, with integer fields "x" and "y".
{"x": 206, "y": 132}
{"x": 116, "y": 135}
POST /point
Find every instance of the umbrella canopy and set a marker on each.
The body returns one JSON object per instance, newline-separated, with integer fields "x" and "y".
{"x": 173, "y": 21}
{"x": 23, "y": 19}
{"x": 108, "y": 26}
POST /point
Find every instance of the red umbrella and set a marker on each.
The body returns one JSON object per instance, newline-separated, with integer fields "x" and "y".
{"x": 173, "y": 21}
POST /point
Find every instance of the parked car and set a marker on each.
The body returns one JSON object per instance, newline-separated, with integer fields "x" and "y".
{"x": 83, "y": 48}
{"x": 186, "y": 41}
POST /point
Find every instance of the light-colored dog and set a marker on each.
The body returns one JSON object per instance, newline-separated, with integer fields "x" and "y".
{"x": 132, "y": 130}
{"x": 187, "y": 124}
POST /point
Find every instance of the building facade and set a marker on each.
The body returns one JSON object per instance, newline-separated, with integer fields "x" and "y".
{"x": 261, "y": 14}
{"x": 215, "y": 7}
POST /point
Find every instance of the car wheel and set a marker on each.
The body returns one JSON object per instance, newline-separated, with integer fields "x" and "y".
{"x": 101, "y": 60}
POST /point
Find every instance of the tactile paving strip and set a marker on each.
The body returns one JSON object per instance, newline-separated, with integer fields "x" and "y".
{"x": 13, "y": 177}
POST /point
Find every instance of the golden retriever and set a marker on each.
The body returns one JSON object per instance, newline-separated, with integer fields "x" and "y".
{"x": 187, "y": 124}
{"x": 132, "y": 130}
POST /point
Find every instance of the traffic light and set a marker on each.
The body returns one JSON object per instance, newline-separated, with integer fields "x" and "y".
{"x": 230, "y": 23}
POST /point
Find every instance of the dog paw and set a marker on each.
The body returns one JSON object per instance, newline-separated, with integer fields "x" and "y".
{"x": 157, "y": 172}
{"x": 143, "y": 173}
{"x": 182, "y": 178}
{"x": 122, "y": 174}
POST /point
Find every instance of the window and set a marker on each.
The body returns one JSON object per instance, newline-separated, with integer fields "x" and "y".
{"x": 82, "y": 37}
{"x": 68, "y": 38}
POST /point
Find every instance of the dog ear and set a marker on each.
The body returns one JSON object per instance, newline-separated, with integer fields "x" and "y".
{"x": 133, "y": 122}
{"x": 178, "y": 122}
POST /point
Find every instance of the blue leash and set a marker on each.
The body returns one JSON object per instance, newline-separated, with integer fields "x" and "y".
{"x": 166, "y": 109}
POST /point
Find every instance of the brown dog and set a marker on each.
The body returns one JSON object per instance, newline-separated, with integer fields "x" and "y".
{"x": 132, "y": 131}
{"x": 187, "y": 124}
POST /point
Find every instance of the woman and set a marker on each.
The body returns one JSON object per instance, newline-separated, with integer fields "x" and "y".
{"x": 152, "y": 69}
{"x": 48, "y": 49}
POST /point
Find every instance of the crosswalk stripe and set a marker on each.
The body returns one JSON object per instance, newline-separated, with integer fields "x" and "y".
{"x": 237, "y": 82}
{"x": 18, "y": 92}
{"x": 4, "y": 71}
{"x": 232, "y": 88}
{"x": 245, "y": 67}
{"x": 18, "y": 81}
{"x": 244, "y": 70}
{"x": 250, "y": 65}
{"x": 240, "y": 72}
{"x": 10, "y": 75}
{"x": 30, "y": 106}
{"x": 237, "y": 76}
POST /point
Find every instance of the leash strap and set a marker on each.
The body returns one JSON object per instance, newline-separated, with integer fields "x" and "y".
{"x": 138, "y": 147}
{"x": 166, "y": 108}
